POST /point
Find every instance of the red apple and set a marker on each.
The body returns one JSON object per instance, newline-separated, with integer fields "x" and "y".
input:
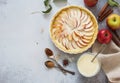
{"x": 113, "y": 21}
{"x": 104, "y": 36}
{"x": 90, "y": 3}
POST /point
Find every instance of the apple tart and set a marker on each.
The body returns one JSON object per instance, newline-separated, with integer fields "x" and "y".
{"x": 73, "y": 29}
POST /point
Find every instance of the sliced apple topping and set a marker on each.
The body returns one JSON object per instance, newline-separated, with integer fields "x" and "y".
{"x": 86, "y": 21}
{"x": 79, "y": 44}
{"x": 74, "y": 36}
{"x": 64, "y": 15}
{"x": 69, "y": 37}
{"x": 73, "y": 29}
{"x": 70, "y": 45}
{"x": 80, "y": 27}
{"x": 77, "y": 33}
{"x": 85, "y": 40}
{"x": 67, "y": 44}
{"x": 89, "y": 24}
{"x": 57, "y": 34}
{"x": 82, "y": 15}
{"x": 74, "y": 45}
{"x": 82, "y": 43}
{"x": 85, "y": 18}
{"x": 89, "y": 29}
{"x": 88, "y": 37}
{"x": 64, "y": 42}
{"x": 90, "y": 33}
{"x": 60, "y": 38}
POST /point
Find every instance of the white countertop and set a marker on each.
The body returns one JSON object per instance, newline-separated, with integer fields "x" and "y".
{"x": 23, "y": 38}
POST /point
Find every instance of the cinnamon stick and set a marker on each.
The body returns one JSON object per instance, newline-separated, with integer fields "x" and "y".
{"x": 103, "y": 9}
{"x": 105, "y": 14}
{"x": 116, "y": 34}
{"x": 115, "y": 38}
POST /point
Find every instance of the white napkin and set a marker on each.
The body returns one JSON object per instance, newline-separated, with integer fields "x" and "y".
{"x": 110, "y": 60}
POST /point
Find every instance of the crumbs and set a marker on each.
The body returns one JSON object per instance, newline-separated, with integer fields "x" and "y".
{"x": 41, "y": 30}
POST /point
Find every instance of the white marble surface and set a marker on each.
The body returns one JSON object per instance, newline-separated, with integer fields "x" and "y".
{"x": 23, "y": 38}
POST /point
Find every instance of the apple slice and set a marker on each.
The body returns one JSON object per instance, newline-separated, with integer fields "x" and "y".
{"x": 54, "y": 32}
{"x": 78, "y": 23}
{"x": 78, "y": 43}
{"x": 65, "y": 43}
{"x": 72, "y": 23}
{"x": 87, "y": 21}
{"x": 70, "y": 45}
{"x": 78, "y": 17}
{"x": 80, "y": 27}
{"x": 89, "y": 29}
{"x": 74, "y": 45}
{"x": 89, "y": 24}
{"x": 64, "y": 15}
{"x": 81, "y": 33}
{"x": 57, "y": 24}
{"x": 65, "y": 19}
{"x": 77, "y": 33}
{"x": 59, "y": 20}
{"x": 82, "y": 15}
{"x": 82, "y": 43}
{"x": 78, "y": 13}
{"x": 74, "y": 36}
{"x": 88, "y": 37}
{"x": 85, "y": 18}
{"x": 68, "y": 14}
{"x": 90, "y": 33}
{"x": 85, "y": 40}
{"x": 60, "y": 39}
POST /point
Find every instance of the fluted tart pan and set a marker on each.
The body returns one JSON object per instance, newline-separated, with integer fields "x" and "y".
{"x": 73, "y": 29}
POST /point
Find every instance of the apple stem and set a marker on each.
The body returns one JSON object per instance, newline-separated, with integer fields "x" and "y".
{"x": 106, "y": 34}
{"x": 114, "y": 19}
{"x": 102, "y": 48}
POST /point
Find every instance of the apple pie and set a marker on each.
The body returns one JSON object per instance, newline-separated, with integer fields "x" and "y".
{"x": 73, "y": 29}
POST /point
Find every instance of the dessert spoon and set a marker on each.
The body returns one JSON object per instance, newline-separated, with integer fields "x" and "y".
{"x": 51, "y": 64}
{"x": 50, "y": 55}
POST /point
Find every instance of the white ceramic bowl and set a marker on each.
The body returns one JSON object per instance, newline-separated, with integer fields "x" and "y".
{"x": 86, "y": 67}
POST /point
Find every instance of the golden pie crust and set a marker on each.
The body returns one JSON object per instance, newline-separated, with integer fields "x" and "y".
{"x": 73, "y": 29}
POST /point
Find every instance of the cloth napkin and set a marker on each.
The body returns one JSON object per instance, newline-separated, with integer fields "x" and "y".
{"x": 110, "y": 60}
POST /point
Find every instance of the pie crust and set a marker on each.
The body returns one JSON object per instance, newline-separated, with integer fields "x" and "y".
{"x": 73, "y": 29}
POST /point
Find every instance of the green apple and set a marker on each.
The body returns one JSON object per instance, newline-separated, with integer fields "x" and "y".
{"x": 113, "y": 21}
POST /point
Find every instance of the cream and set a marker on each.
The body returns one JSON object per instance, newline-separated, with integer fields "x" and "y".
{"x": 86, "y": 67}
